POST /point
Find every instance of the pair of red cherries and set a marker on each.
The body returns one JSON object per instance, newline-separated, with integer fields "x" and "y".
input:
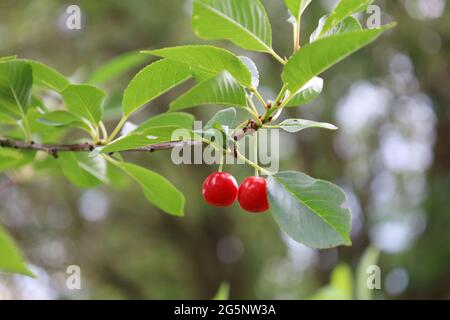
{"x": 220, "y": 189}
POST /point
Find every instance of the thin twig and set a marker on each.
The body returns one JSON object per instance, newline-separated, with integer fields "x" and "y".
{"x": 54, "y": 149}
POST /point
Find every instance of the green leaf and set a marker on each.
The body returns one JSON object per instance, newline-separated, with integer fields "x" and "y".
{"x": 178, "y": 119}
{"x": 225, "y": 118}
{"x": 153, "y": 81}
{"x": 8, "y": 58}
{"x": 207, "y": 59}
{"x": 147, "y": 137}
{"x": 315, "y": 58}
{"x": 296, "y": 125}
{"x": 48, "y": 77}
{"x": 244, "y": 22}
{"x": 157, "y": 189}
{"x": 63, "y": 118}
{"x": 310, "y": 211}
{"x": 13, "y": 159}
{"x": 250, "y": 64}
{"x": 369, "y": 258}
{"x": 35, "y": 126}
{"x": 308, "y": 93}
{"x": 201, "y": 75}
{"x": 224, "y": 292}
{"x": 85, "y": 101}
{"x": 347, "y": 25}
{"x": 16, "y": 81}
{"x": 340, "y": 286}
{"x": 11, "y": 260}
{"x": 344, "y": 9}
{"x": 116, "y": 67}
{"x": 83, "y": 171}
{"x": 7, "y": 118}
{"x": 221, "y": 90}
{"x": 297, "y": 7}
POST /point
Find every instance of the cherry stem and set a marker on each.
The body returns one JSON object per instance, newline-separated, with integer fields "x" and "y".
{"x": 221, "y": 161}
{"x": 255, "y": 152}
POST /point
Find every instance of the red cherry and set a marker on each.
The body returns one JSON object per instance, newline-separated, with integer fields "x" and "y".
{"x": 252, "y": 195}
{"x": 220, "y": 189}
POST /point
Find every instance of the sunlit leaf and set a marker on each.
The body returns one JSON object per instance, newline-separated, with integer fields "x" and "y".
{"x": 224, "y": 292}
{"x": 347, "y": 25}
{"x": 12, "y": 159}
{"x": 82, "y": 170}
{"x": 179, "y": 119}
{"x": 308, "y": 93}
{"x": 225, "y": 118}
{"x": 296, "y": 125}
{"x": 207, "y": 59}
{"x": 221, "y": 90}
{"x": 344, "y": 9}
{"x": 250, "y": 64}
{"x": 116, "y": 67}
{"x": 146, "y": 137}
{"x": 310, "y": 211}
{"x": 62, "y": 118}
{"x": 315, "y": 58}
{"x": 11, "y": 260}
{"x": 297, "y": 7}
{"x": 244, "y": 22}
{"x": 157, "y": 189}
{"x": 85, "y": 101}
{"x": 16, "y": 81}
{"x": 340, "y": 286}
{"x": 48, "y": 77}
{"x": 153, "y": 81}
{"x": 369, "y": 258}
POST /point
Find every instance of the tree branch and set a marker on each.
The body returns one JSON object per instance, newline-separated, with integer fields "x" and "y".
{"x": 54, "y": 149}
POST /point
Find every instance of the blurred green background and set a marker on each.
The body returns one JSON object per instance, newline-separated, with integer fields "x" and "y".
{"x": 391, "y": 155}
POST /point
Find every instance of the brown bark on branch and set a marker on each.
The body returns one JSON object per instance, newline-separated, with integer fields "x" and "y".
{"x": 54, "y": 149}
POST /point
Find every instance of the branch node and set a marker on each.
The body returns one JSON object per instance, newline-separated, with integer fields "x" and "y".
{"x": 53, "y": 153}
